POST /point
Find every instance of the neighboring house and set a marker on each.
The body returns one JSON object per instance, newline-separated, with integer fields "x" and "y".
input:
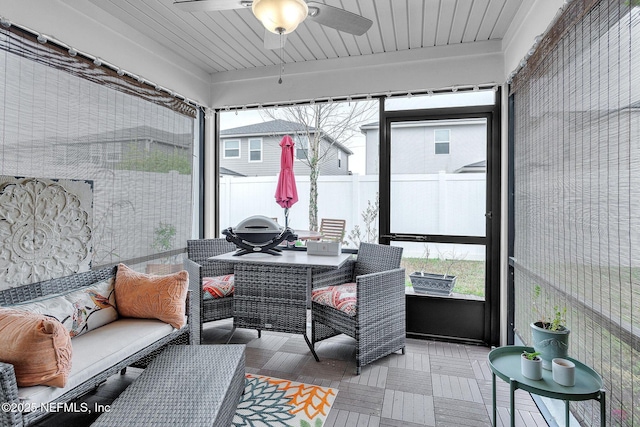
{"x": 126, "y": 144}
{"x": 254, "y": 150}
{"x": 452, "y": 146}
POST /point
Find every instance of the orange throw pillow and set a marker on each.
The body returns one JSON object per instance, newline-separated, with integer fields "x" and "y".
{"x": 38, "y": 347}
{"x": 147, "y": 296}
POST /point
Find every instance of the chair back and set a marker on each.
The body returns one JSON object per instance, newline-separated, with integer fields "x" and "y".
{"x": 373, "y": 258}
{"x": 200, "y": 250}
{"x": 332, "y": 229}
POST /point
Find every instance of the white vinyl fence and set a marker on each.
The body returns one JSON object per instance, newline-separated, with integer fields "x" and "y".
{"x": 454, "y": 202}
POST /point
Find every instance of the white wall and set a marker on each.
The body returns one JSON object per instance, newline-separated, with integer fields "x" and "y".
{"x": 378, "y": 73}
{"x": 89, "y": 29}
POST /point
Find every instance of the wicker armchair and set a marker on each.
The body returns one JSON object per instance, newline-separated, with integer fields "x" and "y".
{"x": 204, "y": 307}
{"x": 378, "y": 324}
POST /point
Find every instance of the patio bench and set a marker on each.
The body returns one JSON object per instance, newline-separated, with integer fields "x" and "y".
{"x": 96, "y": 354}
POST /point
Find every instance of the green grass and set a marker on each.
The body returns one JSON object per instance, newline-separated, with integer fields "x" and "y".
{"x": 470, "y": 274}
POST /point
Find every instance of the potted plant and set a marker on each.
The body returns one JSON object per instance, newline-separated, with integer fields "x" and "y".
{"x": 434, "y": 283}
{"x": 164, "y": 236}
{"x": 549, "y": 334}
{"x": 531, "y": 365}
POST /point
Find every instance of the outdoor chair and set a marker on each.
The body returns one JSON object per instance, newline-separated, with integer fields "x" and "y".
{"x": 333, "y": 229}
{"x": 364, "y": 299}
{"x": 211, "y": 282}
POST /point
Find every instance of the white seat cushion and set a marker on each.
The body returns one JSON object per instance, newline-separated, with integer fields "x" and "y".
{"x": 99, "y": 349}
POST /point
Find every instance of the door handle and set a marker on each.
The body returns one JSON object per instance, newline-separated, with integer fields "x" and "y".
{"x": 489, "y": 215}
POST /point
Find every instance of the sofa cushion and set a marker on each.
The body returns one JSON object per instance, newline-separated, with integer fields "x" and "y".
{"x": 80, "y": 310}
{"x": 38, "y": 347}
{"x": 147, "y": 296}
{"x": 98, "y": 350}
{"x": 341, "y": 297}
{"x": 218, "y": 287}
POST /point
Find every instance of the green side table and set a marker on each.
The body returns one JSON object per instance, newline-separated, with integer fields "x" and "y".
{"x": 505, "y": 363}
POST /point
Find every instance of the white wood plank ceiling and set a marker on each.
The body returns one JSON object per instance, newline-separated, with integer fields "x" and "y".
{"x": 231, "y": 40}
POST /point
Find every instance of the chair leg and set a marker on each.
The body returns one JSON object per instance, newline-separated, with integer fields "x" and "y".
{"x": 259, "y": 333}
{"x": 402, "y": 350}
{"x": 233, "y": 330}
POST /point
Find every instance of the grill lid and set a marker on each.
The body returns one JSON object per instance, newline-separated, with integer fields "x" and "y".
{"x": 258, "y": 224}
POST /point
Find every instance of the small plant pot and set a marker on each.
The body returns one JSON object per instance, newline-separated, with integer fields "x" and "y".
{"x": 550, "y": 344}
{"x": 531, "y": 368}
{"x": 563, "y": 372}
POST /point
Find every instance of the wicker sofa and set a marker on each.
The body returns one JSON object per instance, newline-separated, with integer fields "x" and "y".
{"x": 96, "y": 354}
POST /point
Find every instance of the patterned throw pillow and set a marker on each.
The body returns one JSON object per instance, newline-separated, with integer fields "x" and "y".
{"x": 80, "y": 310}
{"x": 341, "y": 297}
{"x": 219, "y": 286}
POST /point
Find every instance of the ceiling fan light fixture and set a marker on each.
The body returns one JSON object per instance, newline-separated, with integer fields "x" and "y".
{"x": 280, "y": 16}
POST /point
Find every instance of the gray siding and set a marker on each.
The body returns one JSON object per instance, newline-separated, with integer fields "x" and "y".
{"x": 414, "y": 148}
{"x": 270, "y": 164}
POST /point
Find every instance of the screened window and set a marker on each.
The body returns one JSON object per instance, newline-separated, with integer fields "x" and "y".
{"x": 67, "y": 122}
{"x": 255, "y": 150}
{"x": 248, "y": 188}
{"x": 576, "y": 184}
{"x": 232, "y": 149}
{"x": 442, "y": 138}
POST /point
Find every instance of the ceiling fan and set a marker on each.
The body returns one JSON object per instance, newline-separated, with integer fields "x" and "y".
{"x": 283, "y": 16}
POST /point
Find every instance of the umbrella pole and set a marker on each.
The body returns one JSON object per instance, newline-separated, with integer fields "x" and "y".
{"x": 286, "y": 217}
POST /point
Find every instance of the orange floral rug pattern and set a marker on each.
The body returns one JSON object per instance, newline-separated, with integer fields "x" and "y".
{"x": 276, "y": 402}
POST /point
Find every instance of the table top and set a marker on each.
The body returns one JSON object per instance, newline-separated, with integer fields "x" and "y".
{"x": 288, "y": 258}
{"x": 505, "y": 363}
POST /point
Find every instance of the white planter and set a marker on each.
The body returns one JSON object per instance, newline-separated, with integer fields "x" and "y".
{"x": 563, "y": 371}
{"x": 531, "y": 369}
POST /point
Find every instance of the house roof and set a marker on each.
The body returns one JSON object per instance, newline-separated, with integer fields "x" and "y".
{"x": 275, "y": 128}
{"x": 225, "y": 171}
{"x": 138, "y": 133}
{"x": 480, "y": 166}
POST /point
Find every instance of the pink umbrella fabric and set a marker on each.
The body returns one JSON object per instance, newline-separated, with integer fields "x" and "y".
{"x": 286, "y": 191}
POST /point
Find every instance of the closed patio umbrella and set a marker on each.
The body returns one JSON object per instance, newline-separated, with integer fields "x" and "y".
{"x": 286, "y": 191}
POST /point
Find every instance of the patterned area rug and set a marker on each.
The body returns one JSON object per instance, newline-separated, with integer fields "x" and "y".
{"x": 273, "y": 402}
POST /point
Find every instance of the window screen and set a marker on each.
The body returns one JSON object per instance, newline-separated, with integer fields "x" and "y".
{"x": 65, "y": 118}
{"x": 577, "y": 191}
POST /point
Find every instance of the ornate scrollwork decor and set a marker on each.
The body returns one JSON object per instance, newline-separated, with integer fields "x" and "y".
{"x": 45, "y": 230}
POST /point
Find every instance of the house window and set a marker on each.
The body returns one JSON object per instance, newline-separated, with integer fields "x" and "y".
{"x": 255, "y": 150}
{"x": 232, "y": 149}
{"x": 114, "y": 152}
{"x": 442, "y": 138}
{"x": 339, "y": 158}
{"x": 302, "y": 147}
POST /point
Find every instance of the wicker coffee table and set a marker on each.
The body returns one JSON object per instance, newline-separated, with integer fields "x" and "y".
{"x": 187, "y": 385}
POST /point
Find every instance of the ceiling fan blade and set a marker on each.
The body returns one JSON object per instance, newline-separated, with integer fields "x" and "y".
{"x": 340, "y": 19}
{"x": 272, "y": 40}
{"x": 208, "y": 5}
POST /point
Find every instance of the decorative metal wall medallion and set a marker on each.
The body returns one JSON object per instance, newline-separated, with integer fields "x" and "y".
{"x": 45, "y": 229}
